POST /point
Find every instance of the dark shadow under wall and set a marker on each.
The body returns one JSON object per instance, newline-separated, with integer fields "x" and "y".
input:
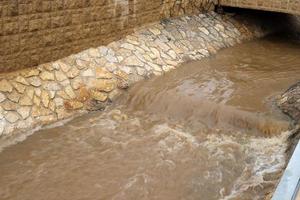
{"x": 279, "y": 22}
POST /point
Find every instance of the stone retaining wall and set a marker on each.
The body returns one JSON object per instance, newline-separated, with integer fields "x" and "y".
{"x": 38, "y": 31}
{"x": 90, "y": 79}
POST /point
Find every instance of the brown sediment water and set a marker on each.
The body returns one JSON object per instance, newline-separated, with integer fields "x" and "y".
{"x": 207, "y": 130}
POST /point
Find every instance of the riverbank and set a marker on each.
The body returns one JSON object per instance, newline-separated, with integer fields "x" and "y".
{"x": 289, "y": 103}
{"x": 91, "y": 79}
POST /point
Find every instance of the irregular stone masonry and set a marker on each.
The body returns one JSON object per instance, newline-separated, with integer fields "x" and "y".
{"x": 39, "y": 31}
{"x": 284, "y": 6}
{"x": 90, "y": 79}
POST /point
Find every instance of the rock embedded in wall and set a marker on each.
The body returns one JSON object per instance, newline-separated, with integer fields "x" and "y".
{"x": 289, "y": 102}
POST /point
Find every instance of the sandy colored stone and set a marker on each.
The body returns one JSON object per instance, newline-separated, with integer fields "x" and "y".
{"x": 25, "y": 101}
{"x": 52, "y": 86}
{"x": 110, "y": 66}
{"x": 2, "y": 125}
{"x": 30, "y": 73}
{"x": 47, "y": 119}
{"x": 35, "y": 81}
{"x": 73, "y": 105}
{"x": 52, "y": 94}
{"x": 128, "y": 46}
{"x": 155, "y": 31}
{"x": 167, "y": 68}
{"x": 5, "y": 86}
{"x": 37, "y": 92}
{"x": 61, "y": 113}
{"x": 30, "y": 92}
{"x": 45, "y": 98}
{"x": 133, "y": 41}
{"x": 58, "y": 101}
{"x": 155, "y": 67}
{"x": 63, "y": 94}
{"x": 103, "y": 73}
{"x": 111, "y": 58}
{"x": 56, "y": 65}
{"x": 122, "y": 83}
{"x": 64, "y": 67}
{"x": 47, "y": 66}
{"x": 74, "y": 72}
{"x": 220, "y": 27}
{"x": 83, "y": 94}
{"x": 65, "y": 83}
{"x": 2, "y": 97}
{"x": 204, "y": 30}
{"x": 132, "y": 61}
{"x": 60, "y": 76}
{"x": 76, "y": 83}
{"x": 27, "y": 123}
{"x": 127, "y": 70}
{"x": 14, "y": 96}
{"x": 155, "y": 52}
{"x": 19, "y": 87}
{"x": 8, "y": 105}
{"x": 21, "y": 80}
{"x": 38, "y": 111}
{"x": 171, "y": 62}
{"x": 12, "y": 117}
{"x": 52, "y": 106}
{"x": 47, "y": 76}
{"x": 82, "y": 64}
{"x": 99, "y": 96}
{"x": 105, "y": 85}
{"x": 70, "y": 92}
{"x": 147, "y": 57}
{"x": 36, "y": 100}
{"x": 24, "y": 111}
{"x": 141, "y": 71}
{"x": 88, "y": 73}
{"x": 122, "y": 79}
{"x": 172, "y": 54}
{"x": 121, "y": 74}
{"x": 94, "y": 52}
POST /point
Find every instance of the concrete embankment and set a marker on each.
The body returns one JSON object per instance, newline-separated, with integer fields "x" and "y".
{"x": 91, "y": 79}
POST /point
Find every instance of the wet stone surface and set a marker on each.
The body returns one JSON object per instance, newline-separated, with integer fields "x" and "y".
{"x": 289, "y": 102}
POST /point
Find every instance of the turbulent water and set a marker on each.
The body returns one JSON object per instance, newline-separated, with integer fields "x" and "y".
{"x": 208, "y": 130}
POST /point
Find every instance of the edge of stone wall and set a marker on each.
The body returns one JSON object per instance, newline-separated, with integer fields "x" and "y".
{"x": 92, "y": 78}
{"x": 289, "y": 104}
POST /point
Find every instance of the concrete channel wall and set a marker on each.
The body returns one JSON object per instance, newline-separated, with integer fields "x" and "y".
{"x": 283, "y": 6}
{"x": 33, "y": 32}
{"x": 92, "y": 78}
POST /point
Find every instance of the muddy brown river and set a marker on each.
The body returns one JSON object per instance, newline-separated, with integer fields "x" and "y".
{"x": 208, "y": 130}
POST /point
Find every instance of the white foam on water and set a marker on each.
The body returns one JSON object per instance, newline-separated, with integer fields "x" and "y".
{"x": 178, "y": 134}
{"x": 269, "y": 157}
{"x": 23, "y": 135}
